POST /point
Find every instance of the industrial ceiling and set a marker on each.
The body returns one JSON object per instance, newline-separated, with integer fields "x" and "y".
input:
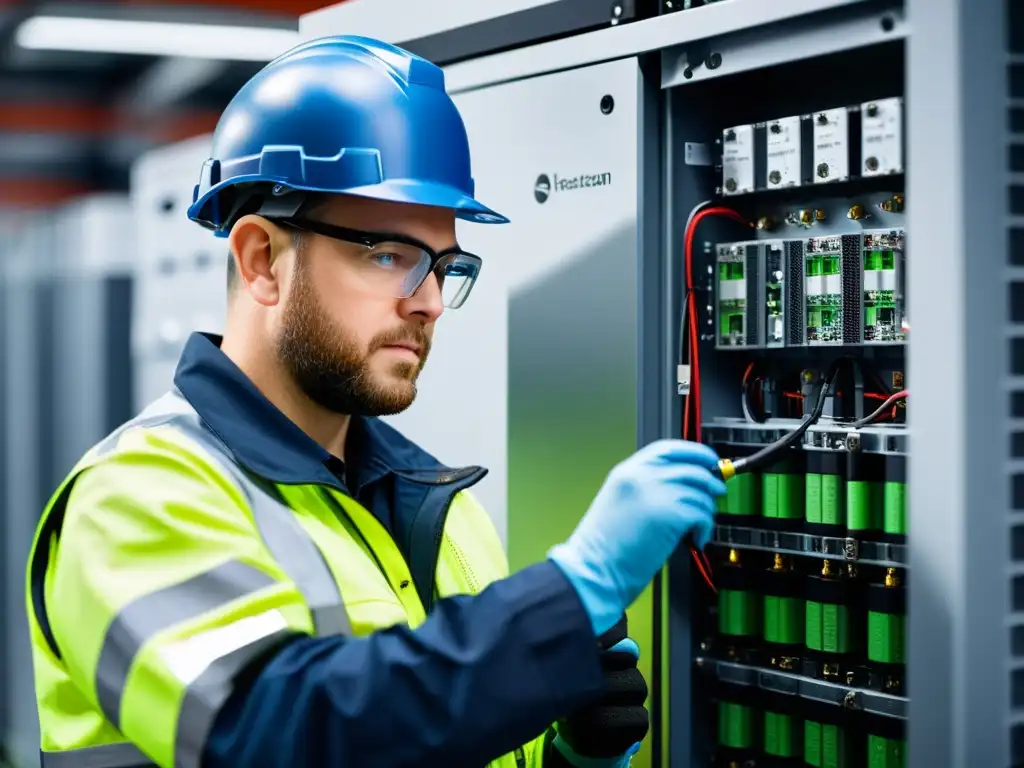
{"x": 85, "y": 86}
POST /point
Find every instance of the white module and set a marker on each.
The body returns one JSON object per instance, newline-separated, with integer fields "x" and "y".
{"x": 738, "y": 160}
{"x": 831, "y": 145}
{"x": 783, "y": 152}
{"x": 881, "y": 137}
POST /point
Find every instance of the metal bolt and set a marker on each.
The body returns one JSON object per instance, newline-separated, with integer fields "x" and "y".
{"x": 823, "y": 170}
{"x": 731, "y": 185}
{"x": 852, "y": 442}
{"x": 775, "y": 177}
{"x": 850, "y": 700}
{"x": 871, "y": 164}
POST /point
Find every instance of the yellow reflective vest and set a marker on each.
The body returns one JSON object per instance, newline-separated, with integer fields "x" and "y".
{"x": 143, "y": 665}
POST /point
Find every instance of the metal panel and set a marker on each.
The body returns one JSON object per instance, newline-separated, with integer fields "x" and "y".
{"x": 846, "y": 28}
{"x": 704, "y": 23}
{"x": 396, "y": 21}
{"x": 958, "y": 502}
{"x": 460, "y": 413}
{"x": 179, "y": 268}
{"x": 28, "y": 262}
{"x": 86, "y": 369}
{"x": 545, "y": 22}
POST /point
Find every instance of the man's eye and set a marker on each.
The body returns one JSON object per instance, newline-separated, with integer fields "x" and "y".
{"x": 383, "y": 259}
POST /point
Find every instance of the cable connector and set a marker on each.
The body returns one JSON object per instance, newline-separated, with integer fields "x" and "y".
{"x": 683, "y": 380}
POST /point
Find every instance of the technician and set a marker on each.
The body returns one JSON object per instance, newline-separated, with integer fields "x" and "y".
{"x": 256, "y": 571}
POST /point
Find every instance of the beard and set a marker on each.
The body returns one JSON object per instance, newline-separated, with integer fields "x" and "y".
{"x": 331, "y": 369}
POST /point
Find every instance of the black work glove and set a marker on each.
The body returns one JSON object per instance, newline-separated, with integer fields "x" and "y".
{"x": 618, "y": 721}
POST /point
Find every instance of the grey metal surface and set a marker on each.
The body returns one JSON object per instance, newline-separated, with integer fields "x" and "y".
{"x": 852, "y": 26}
{"x": 824, "y": 436}
{"x": 396, "y": 21}
{"x": 958, "y": 470}
{"x": 849, "y": 549}
{"x": 818, "y": 691}
{"x": 28, "y": 262}
{"x": 707, "y": 22}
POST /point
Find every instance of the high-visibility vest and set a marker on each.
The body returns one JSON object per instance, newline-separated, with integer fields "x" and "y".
{"x": 317, "y": 562}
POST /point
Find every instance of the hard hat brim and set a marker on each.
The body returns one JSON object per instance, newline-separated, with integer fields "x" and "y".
{"x": 408, "y": 191}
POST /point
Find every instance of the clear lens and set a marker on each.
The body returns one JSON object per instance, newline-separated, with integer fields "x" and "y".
{"x": 400, "y": 269}
{"x": 457, "y": 274}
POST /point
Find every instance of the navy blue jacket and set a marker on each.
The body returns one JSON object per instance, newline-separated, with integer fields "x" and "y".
{"x": 483, "y": 675}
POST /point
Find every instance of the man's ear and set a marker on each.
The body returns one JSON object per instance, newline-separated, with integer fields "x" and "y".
{"x": 254, "y": 244}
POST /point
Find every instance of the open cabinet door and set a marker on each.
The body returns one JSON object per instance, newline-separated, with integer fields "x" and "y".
{"x": 536, "y": 377}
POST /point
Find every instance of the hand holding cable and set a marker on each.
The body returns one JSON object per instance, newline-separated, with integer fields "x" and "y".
{"x": 647, "y": 505}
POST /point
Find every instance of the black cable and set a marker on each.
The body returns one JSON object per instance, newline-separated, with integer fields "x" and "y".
{"x": 728, "y": 468}
{"x": 877, "y": 413}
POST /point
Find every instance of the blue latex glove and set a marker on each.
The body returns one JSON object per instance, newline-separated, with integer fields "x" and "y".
{"x": 623, "y": 761}
{"x": 645, "y": 508}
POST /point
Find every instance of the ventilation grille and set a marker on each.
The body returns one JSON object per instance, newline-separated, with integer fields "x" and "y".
{"x": 1015, "y": 258}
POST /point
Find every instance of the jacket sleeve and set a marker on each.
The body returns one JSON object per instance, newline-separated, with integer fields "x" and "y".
{"x": 176, "y": 623}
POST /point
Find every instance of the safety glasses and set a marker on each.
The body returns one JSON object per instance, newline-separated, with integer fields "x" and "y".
{"x": 396, "y": 265}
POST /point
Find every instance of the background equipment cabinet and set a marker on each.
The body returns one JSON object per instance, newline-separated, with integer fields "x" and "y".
{"x": 740, "y": 221}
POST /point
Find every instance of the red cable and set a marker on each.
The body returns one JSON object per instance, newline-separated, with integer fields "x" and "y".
{"x": 701, "y": 560}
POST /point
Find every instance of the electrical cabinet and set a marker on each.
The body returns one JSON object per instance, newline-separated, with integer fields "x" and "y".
{"x": 755, "y": 224}
{"x": 65, "y": 383}
{"x": 180, "y": 268}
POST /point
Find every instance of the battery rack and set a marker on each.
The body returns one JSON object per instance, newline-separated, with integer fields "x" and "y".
{"x": 794, "y": 295}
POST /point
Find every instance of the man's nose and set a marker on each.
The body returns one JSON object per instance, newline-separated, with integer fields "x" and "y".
{"x": 426, "y": 303}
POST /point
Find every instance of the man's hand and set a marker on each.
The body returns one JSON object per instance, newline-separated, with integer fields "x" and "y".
{"x": 608, "y": 733}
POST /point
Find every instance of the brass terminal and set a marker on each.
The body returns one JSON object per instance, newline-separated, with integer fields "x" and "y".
{"x": 892, "y": 579}
{"x": 734, "y": 557}
{"x": 726, "y": 469}
{"x": 826, "y": 569}
{"x": 780, "y": 563}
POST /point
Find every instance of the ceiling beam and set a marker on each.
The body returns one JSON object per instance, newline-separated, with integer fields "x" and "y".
{"x": 94, "y": 120}
{"x": 168, "y": 83}
{"x": 293, "y": 8}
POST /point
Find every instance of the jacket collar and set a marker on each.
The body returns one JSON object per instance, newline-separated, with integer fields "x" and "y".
{"x": 270, "y": 445}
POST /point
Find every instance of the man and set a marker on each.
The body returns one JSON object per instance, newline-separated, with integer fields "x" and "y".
{"x": 256, "y": 571}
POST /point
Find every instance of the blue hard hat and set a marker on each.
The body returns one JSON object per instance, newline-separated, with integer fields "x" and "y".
{"x": 341, "y": 114}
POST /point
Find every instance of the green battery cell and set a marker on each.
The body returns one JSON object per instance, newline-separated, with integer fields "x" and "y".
{"x": 894, "y": 504}
{"x": 783, "y": 604}
{"x": 865, "y": 474}
{"x": 886, "y": 753}
{"x": 742, "y": 496}
{"x": 783, "y": 620}
{"x": 737, "y": 613}
{"x": 827, "y": 621}
{"x": 781, "y": 735}
{"x": 825, "y": 746}
{"x": 825, "y": 492}
{"x": 735, "y": 725}
{"x": 782, "y": 489}
{"x": 739, "y": 605}
{"x": 886, "y": 621}
{"x": 886, "y": 639}
{"x": 835, "y": 629}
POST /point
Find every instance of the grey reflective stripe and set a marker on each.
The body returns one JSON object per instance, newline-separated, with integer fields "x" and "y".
{"x": 124, "y": 755}
{"x": 207, "y": 694}
{"x": 292, "y": 548}
{"x": 145, "y": 616}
